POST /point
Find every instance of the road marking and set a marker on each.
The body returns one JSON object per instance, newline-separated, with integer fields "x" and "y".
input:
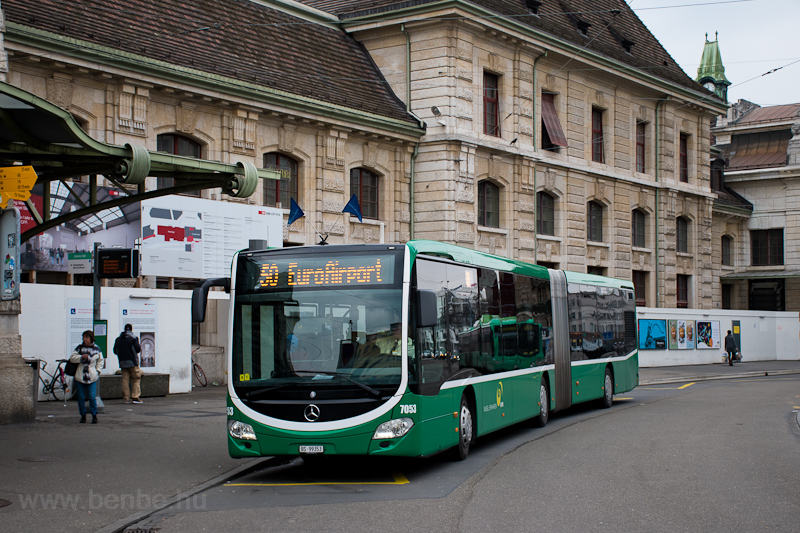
{"x": 399, "y": 479}
{"x": 666, "y": 388}
{"x": 618, "y": 398}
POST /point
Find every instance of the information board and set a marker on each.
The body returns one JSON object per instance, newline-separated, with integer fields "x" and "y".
{"x": 196, "y": 238}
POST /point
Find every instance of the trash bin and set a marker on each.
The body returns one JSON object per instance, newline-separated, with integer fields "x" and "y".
{"x": 34, "y": 363}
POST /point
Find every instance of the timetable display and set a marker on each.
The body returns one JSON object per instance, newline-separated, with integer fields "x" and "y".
{"x": 323, "y": 272}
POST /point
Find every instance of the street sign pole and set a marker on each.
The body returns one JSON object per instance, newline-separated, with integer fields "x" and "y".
{"x": 96, "y": 283}
{"x": 96, "y": 316}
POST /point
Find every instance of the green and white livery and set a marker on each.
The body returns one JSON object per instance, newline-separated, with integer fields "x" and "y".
{"x": 409, "y": 350}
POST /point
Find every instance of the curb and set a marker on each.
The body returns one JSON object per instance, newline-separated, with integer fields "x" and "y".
{"x": 713, "y": 377}
{"x": 120, "y": 525}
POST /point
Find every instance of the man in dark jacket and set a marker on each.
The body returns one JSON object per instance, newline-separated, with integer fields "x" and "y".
{"x": 127, "y": 349}
{"x": 730, "y": 347}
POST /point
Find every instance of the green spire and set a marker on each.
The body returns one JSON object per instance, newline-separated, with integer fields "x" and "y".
{"x": 711, "y": 64}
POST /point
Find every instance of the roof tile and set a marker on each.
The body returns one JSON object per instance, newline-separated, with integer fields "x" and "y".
{"x": 239, "y": 39}
{"x": 554, "y": 18}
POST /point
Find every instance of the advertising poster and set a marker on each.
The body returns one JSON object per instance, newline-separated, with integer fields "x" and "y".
{"x": 80, "y": 317}
{"x": 196, "y": 238}
{"x": 49, "y": 250}
{"x": 708, "y": 334}
{"x": 681, "y": 334}
{"x": 143, "y": 316}
{"x": 652, "y": 334}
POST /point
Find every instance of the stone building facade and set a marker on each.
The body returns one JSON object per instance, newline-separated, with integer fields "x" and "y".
{"x": 759, "y": 265}
{"x": 551, "y": 197}
{"x": 317, "y": 132}
{"x": 571, "y": 139}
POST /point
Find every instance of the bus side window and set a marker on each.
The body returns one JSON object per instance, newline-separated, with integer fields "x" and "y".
{"x": 508, "y": 316}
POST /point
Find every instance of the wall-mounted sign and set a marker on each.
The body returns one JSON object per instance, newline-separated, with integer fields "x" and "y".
{"x": 196, "y": 238}
{"x": 79, "y": 262}
{"x": 708, "y": 334}
{"x": 681, "y": 334}
{"x": 652, "y": 334}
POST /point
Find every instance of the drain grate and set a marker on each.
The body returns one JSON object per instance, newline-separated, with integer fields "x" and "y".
{"x": 4, "y": 503}
{"x": 140, "y": 530}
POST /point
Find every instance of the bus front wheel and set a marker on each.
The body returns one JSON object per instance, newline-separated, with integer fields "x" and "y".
{"x": 466, "y": 429}
{"x": 541, "y": 419}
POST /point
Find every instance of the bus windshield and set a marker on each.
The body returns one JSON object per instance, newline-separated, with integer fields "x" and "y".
{"x": 290, "y": 331}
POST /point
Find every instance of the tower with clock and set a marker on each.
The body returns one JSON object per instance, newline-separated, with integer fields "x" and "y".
{"x": 711, "y": 72}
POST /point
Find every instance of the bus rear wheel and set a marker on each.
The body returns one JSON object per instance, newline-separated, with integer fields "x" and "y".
{"x": 466, "y": 429}
{"x": 541, "y": 419}
{"x": 608, "y": 390}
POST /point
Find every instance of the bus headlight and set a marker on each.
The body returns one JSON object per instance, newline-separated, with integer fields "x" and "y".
{"x": 240, "y": 430}
{"x": 393, "y": 428}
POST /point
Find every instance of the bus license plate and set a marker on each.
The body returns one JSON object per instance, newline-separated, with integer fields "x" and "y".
{"x": 312, "y": 449}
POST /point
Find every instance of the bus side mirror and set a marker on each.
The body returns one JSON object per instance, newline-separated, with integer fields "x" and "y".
{"x": 200, "y": 296}
{"x": 426, "y": 309}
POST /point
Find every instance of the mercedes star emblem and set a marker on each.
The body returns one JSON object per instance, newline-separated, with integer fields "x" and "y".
{"x": 311, "y": 413}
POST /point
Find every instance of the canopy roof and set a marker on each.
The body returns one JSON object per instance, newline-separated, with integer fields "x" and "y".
{"x": 36, "y": 132}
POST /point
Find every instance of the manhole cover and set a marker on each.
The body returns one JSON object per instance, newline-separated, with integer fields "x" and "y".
{"x": 4, "y": 503}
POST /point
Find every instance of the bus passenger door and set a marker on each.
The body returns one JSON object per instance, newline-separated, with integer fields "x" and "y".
{"x": 561, "y": 355}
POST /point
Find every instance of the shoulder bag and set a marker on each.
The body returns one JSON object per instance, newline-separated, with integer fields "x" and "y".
{"x": 70, "y": 368}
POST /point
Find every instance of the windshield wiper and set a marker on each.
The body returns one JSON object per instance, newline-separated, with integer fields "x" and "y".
{"x": 364, "y": 386}
{"x": 265, "y": 389}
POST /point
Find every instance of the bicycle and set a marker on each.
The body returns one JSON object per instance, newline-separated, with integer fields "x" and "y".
{"x": 60, "y": 385}
{"x": 197, "y": 370}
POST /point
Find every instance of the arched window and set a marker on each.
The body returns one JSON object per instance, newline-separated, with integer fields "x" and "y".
{"x": 175, "y": 144}
{"x": 545, "y": 214}
{"x": 638, "y": 219}
{"x": 682, "y": 235}
{"x": 594, "y": 220}
{"x": 278, "y": 193}
{"x": 727, "y": 245}
{"x": 488, "y": 204}
{"x": 364, "y": 184}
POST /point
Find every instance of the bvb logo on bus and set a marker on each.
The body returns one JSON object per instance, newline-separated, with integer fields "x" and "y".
{"x": 500, "y": 394}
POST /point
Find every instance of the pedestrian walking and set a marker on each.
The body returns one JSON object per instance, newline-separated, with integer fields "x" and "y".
{"x": 730, "y": 347}
{"x": 90, "y": 363}
{"x": 128, "y": 349}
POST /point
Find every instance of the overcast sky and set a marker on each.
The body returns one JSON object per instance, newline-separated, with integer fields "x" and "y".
{"x": 755, "y": 36}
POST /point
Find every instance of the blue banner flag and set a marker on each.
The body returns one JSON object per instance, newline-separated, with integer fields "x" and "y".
{"x": 294, "y": 212}
{"x": 353, "y": 208}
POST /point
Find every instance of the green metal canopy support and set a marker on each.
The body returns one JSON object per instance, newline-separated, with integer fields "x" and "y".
{"x": 36, "y": 132}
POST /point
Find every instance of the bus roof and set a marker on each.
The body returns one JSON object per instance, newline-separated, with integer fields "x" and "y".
{"x": 475, "y": 257}
{"x": 602, "y": 281}
{"x": 483, "y": 259}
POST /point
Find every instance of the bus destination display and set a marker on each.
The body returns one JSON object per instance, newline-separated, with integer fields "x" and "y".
{"x": 325, "y": 272}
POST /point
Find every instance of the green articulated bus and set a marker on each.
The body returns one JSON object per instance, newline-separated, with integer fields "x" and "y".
{"x": 411, "y": 349}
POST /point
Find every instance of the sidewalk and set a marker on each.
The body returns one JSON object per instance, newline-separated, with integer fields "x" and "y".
{"x": 681, "y": 374}
{"x": 60, "y": 475}
{"x": 57, "y": 474}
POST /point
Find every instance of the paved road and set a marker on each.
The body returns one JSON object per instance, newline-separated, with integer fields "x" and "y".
{"x": 173, "y": 446}
{"x": 712, "y": 456}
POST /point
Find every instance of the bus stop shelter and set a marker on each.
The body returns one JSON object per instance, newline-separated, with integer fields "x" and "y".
{"x": 38, "y": 133}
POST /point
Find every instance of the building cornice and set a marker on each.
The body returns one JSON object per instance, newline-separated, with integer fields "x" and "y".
{"x": 762, "y": 174}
